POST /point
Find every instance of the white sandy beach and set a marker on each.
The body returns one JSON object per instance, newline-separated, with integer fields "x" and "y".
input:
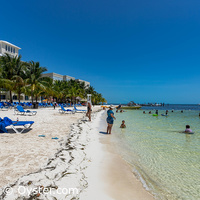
{"x": 81, "y": 158}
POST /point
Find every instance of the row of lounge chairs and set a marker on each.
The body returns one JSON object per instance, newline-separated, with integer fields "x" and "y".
{"x": 7, "y": 105}
{"x": 59, "y": 104}
{"x": 63, "y": 110}
{"x": 27, "y": 124}
{"x": 20, "y": 110}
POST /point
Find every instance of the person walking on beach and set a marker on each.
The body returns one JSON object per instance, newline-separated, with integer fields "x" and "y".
{"x": 89, "y": 110}
{"x": 54, "y": 104}
{"x": 110, "y": 120}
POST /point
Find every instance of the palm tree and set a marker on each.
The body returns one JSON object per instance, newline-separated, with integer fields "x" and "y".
{"x": 58, "y": 89}
{"x": 11, "y": 73}
{"x": 19, "y": 77}
{"x": 48, "y": 88}
{"x": 34, "y": 77}
{"x": 22, "y": 77}
{"x": 73, "y": 93}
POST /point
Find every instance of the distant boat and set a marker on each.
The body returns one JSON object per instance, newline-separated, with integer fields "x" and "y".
{"x": 131, "y": 107}
{"x": 158, "y": 104}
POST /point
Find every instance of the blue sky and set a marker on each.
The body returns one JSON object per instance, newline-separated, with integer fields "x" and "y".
{"x": 142, "y": 50}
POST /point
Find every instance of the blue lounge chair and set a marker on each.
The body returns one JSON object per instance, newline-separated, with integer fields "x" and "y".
{"x": 20, "y": 110}
{"x": 3, "y": 107}
{"x": 79, "y": 110}
{"x": 63, "y": 110}
{"x": 8, "y": 122}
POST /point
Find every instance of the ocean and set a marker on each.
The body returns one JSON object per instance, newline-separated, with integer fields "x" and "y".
{"x": 166, "y": 160}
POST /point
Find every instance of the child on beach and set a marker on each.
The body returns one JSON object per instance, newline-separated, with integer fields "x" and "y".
{"x": 123, "y": 124}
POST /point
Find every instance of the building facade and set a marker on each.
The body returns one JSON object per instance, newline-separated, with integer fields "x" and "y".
{"x": 87, "y": 84}
{"x": 11, "y": 49}
{"x": 60, "y": 77}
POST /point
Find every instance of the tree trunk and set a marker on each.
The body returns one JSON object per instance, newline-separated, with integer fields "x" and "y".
{"x": 36, "y": 98}
{"x": 19, "y": 96}
{"x": 32, "y": 96}
{"x": 11, "y": 99}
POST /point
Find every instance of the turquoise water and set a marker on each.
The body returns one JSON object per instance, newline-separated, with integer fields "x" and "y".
{"x": 168, "y": 161}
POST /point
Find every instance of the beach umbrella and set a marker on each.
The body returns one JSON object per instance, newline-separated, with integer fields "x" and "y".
{"x": 78, "y": 98}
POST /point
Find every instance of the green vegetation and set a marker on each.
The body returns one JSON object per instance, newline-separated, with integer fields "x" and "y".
{"x": 26, "y": 77}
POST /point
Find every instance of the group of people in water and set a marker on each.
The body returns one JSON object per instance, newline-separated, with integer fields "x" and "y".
{"x": 111, "y": 117}
{"x": 187, "y": 129}
{"x": 166, "y": 113}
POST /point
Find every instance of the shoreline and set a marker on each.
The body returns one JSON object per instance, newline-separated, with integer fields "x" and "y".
{"x": 85, "y": 160}
{"x": 119, "y": 175}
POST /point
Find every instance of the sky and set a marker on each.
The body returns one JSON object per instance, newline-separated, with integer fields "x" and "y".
{"x": 129, "y": 50}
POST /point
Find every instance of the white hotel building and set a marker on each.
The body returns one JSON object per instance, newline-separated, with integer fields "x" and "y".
{"x": 13, "y": 50}
{"x": 60, "y": 77}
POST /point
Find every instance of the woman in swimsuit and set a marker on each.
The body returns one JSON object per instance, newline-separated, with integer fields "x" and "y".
{"x": 110, "y": 120}
{"x": 89, "y": 110}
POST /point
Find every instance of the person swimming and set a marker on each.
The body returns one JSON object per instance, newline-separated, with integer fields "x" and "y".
{"x": 149, "y": 112}
{"x": 156, "y": 112}
{"x": 144, "y": 112}
{"x": 188, "y": 130}
{"x": 123, "y": 124}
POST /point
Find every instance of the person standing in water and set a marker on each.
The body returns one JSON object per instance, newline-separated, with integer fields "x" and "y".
{"x": 156, "y": 112}
{"x": 110, "y": 120}
{"x": 187, "y": 129}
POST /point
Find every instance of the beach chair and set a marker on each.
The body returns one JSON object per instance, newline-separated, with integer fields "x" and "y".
{"x": 79, "y": 110}
{"x": 3, "y": 107}
{"x": 13, "y": 124}
{"x": 21, "y": 111}
{"x": 63, "y": 110}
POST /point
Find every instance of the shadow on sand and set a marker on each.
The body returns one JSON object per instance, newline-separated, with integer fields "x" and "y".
{"x": 102, "y": 132}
